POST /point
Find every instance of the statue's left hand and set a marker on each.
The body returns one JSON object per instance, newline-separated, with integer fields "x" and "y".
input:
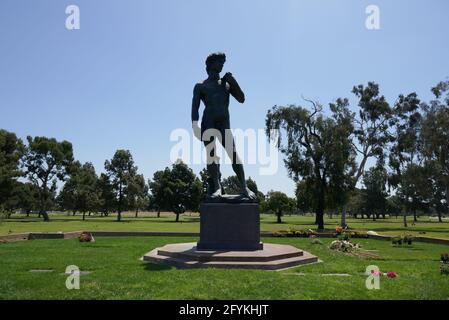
{"x": 228, "y": 77}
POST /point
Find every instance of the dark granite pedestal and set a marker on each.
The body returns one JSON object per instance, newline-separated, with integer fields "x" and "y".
{"x": 229, "y": 226}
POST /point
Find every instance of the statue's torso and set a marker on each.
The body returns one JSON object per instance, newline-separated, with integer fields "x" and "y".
{"x": 215, "y": 97}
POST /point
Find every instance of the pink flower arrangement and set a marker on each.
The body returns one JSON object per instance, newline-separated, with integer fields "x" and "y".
{"x": 389, "y": 274}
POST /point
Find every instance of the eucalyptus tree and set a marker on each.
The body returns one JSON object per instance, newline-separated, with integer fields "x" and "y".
{"x": 435, "y": 136}
{"x": 371, "y": 133}
{"x": 406, "y": 151}
{"x": 318, "y": 149}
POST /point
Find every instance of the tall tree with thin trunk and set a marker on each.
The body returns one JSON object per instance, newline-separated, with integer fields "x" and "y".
{"x": 371, "y": 132}
{"x": 406, "y": 151}
{"x": 121, "y": 171}
{"x": 435, "y": 135}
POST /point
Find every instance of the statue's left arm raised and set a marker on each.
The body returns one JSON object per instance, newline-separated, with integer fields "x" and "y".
{"x": 234, "y": 88}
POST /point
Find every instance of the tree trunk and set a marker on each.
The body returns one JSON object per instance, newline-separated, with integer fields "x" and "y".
{"x": 137, "y": 212}
{"x": 405, "y": 219}
{"x": 159, "y": 213}
{"x": 278, "y": 214}
{"x": 439, "y": 217}
{"x": 343, "y": 217}
{"x": 84, "y": 215}
{"x": 74, "y": 212}
{"x": 320, "y": 208}
{"x": 177, "y": 217}
{"x": 415, "y": 219}
{"x": 120, "y": 199}
{"x": 320, "y": 218}
{"x": 44, "y": 214}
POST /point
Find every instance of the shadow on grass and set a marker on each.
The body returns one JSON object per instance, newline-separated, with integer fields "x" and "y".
{"x": 155, "y": 266}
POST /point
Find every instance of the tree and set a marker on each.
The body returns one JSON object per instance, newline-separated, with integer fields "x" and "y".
{"x": 121, "y": 171}
{"x": 370, "y": 135}
{"x": 138, "y": 194}
{"x": 394, "y": 206}
{"x": 435, "y": 138}
{"x": 67, "y": 196}
{"x": 159, "y": 190}
{"x": 28, "y": 195}
{"x": 11, "y": 151}
{"x": 47, "y": 160}
{"x": 356, "y": 203}
{"x": 107, "y": 200}
{"x": 184, "y": 189}
{"x": 304, "y": 196}
{"x": 374, "y": 194}
{"x": 405, "y": 152}
{"x": 231, "y": 185}
{"x": 318, "y": 148}
{"x": 278, "y": 203}
{"x": 86, "y": 193}
{"x": 176, "y": 189}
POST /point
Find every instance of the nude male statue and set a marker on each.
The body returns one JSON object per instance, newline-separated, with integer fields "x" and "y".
{"x": 214, "y": 93}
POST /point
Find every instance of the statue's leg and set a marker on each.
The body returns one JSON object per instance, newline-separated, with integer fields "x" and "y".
{"x": 213, "y": 166}
{"x": 229, "y": 144}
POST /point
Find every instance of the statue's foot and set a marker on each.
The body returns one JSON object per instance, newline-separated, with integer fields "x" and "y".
{"x": 249, "y": 194}
{"x": 217, "y": 193}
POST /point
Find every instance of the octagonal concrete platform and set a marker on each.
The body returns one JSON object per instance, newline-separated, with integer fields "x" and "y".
{"x": 272, "y": 257}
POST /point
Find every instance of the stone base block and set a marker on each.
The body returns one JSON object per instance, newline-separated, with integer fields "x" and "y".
{"x": 229, "y": 226}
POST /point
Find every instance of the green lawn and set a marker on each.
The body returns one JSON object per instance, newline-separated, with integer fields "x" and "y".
{"x": 117, "y": 272}
{"x": 190, "y": 223}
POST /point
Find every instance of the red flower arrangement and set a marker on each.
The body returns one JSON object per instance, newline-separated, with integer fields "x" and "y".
{"x": 391, "y": 274}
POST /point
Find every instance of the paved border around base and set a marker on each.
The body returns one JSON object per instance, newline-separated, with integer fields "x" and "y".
{"x": 271, "y": 257}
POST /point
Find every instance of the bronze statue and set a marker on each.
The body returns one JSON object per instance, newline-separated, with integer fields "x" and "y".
{"x": 214, "y": 93}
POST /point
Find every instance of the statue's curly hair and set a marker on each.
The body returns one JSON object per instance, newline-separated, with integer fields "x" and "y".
{"x": 214, "y": 57}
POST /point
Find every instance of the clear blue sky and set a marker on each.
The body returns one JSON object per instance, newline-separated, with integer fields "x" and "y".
{"x": 125, "y": 79}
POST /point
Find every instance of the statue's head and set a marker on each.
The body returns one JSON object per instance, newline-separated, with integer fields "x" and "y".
{"x": 215, "y": 62}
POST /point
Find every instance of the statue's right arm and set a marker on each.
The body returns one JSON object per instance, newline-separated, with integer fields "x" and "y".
{"x": 196, "y": 100}
{"x": 196, "y": 103}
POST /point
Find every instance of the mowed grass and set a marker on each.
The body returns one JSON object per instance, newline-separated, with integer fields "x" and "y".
{"x": 117, "y": 272}
{"x": 426, "y": 226}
